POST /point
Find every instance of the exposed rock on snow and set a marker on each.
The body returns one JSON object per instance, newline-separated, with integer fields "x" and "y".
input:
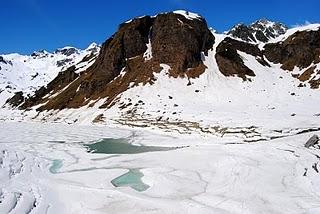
{"x": 40, "y": 54}
{"x": 312, "y": 141}
{"x": 64, "y": 62}
{"x": 2, "y": 60}
{"x": 16, "y": 100}
{"x": 68, "y": 51}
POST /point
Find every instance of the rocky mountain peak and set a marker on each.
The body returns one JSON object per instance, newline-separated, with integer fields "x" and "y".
{"x": 40, "y": 54}
{"x": 93, "y": 47}
{"x": 262, "y": 30}
{"x": 132, "y": 55}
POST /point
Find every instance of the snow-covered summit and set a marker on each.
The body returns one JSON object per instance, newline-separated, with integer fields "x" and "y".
{"x": 269, "y": 28}
{"x": 187, "y": 14}
{"x": 92, "y": 47}
{"x": 262, "y": 30}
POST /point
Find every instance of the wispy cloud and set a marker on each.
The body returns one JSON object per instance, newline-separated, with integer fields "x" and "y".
{"x": 301, "y": 25}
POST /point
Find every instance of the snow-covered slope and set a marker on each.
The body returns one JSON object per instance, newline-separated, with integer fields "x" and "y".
{"x": 28, "y": 73}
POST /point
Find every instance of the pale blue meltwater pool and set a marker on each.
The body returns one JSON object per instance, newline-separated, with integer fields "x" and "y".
{"x": 118, "y": 146}
{"x": 131, "y": 179}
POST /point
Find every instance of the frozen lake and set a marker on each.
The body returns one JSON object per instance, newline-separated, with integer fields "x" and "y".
{"x": 122, "y": 146}
{"x": 46, "y": 168}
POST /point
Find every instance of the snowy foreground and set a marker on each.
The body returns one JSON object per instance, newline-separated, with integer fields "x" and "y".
{"x": 45, "y": 168}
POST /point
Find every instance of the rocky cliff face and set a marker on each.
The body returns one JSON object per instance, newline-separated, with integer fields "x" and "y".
{"x": 179, "y": 41}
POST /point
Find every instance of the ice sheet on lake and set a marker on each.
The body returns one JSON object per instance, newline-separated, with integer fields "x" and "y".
{"x": 209, "y": 176}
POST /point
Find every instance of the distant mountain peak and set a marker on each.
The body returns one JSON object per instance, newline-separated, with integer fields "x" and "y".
{"x": 264, "y": 21}
{"x": 93, "y": 47}
{"x": 40, "y": 54}
{"x": 261, "y": 30}
{"x": 68, "y": 50}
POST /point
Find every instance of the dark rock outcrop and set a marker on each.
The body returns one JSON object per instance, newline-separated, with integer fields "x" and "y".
{"x": 312, "y": 141}
{"x": 180, "y": 41}
{"x": 242, "y": 32}
{"x": 229, "y": 61}
{"x": 310, "y": 75}
{"x": 2, "y": 60}
{"x": 16, "y": 100}
{"x": 64, "y": 62}
{"x": 39, "y": 54}
{"x": 300, "y": 49}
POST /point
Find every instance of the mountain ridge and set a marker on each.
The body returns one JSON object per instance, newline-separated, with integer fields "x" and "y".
{"x": 214, "y": 70}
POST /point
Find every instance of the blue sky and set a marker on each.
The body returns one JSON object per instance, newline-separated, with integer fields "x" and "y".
{"x": 28, "y": 25}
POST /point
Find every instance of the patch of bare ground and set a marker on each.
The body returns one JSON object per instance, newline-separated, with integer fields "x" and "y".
{"x": 245, "y": 134}
{"x": 132, "y": 119}
{"x": 315, "y": 83}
